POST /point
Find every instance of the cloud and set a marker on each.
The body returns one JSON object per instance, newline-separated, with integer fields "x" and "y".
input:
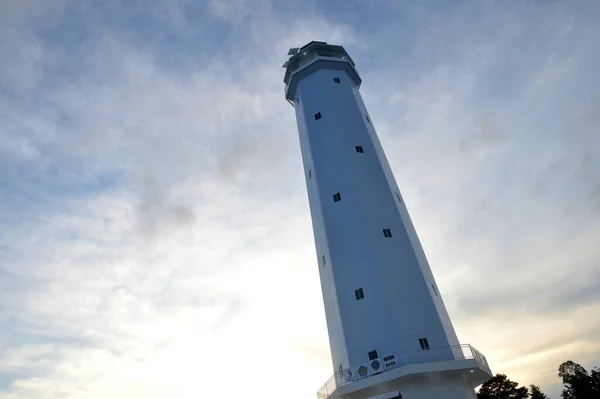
{"x": 489, "y": 151}
{"x": 148, "y": 197}
{"x": 232, "y": 10}
{"x": 156, "y": 239}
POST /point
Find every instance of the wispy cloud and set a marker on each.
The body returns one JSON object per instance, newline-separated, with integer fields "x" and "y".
{"x": 155, "y": 237}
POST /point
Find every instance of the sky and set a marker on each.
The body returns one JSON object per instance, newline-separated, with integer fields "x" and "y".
{"x": 155, "y": 236}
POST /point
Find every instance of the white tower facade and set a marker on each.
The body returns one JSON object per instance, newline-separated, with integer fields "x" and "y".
{"x": 389, "y": 331}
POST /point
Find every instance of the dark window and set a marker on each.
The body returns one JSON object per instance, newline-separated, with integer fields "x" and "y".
{"x": 373, "y": 355}
{"x": 434, "y": 290}
{"x": 337, "y": 197}
{"x": 297, "y": 100}
{"x": 336, "y": 80}
{"x": 367, "y": 116}
{"x": 359, "y": 294}
{"x": 387, "y": 233}
{"x": 324, "y": 262}
{"x": 310, "y": 173}
{"x": 359, "y": 149}
{"x": 398, "y": 195}
{"x": 424, "y": 344}
{"x": 317, "y": 116}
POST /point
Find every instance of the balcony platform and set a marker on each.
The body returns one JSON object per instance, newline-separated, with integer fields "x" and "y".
{"x": 461, "y": 362}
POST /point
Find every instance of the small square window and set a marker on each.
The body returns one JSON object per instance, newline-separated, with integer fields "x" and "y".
{"x": 387, "y": 233}
{"x": 317, "y": 116}
{"x": 359, "y": 294}
{"x": 336, "y": 80}
{"x": 424, "y": 344}
{"x": 367, "y": 116}
{"x": 373, "y": 355}
{"x": 337, "y": 197}
{"x": 359, "y": 149}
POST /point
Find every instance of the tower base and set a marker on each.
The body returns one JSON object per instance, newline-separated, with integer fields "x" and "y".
{"x": 454, "y": 379}
{"x": 432, "y": 388}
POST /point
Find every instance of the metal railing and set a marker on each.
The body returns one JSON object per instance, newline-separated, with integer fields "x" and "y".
{"x": 439, "y": 354}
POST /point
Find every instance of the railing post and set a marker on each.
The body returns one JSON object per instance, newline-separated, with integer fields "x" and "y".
{"x": 456, "y": 352}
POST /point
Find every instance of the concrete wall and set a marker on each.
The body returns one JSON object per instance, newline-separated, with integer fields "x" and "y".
{"x": 400, "y": 304}
{"x": 446, "y": 388}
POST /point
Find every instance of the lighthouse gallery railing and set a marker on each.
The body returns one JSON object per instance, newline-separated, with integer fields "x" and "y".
{"x": 440, "y": 354}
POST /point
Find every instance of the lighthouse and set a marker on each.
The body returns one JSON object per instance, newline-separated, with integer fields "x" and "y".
{"x": 390, "y": 334}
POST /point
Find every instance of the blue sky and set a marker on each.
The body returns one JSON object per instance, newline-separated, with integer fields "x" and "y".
{"x": 155, "y": 239}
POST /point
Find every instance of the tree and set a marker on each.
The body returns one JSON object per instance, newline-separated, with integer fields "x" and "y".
{"x": 536, "y": 393}
{"x": 500, "y": 387}
{"x": 577, "y": 382}
{"x": 595, "y": 378}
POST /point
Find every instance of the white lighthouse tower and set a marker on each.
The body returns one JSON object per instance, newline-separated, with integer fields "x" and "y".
{"x": 389, "y": 331}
